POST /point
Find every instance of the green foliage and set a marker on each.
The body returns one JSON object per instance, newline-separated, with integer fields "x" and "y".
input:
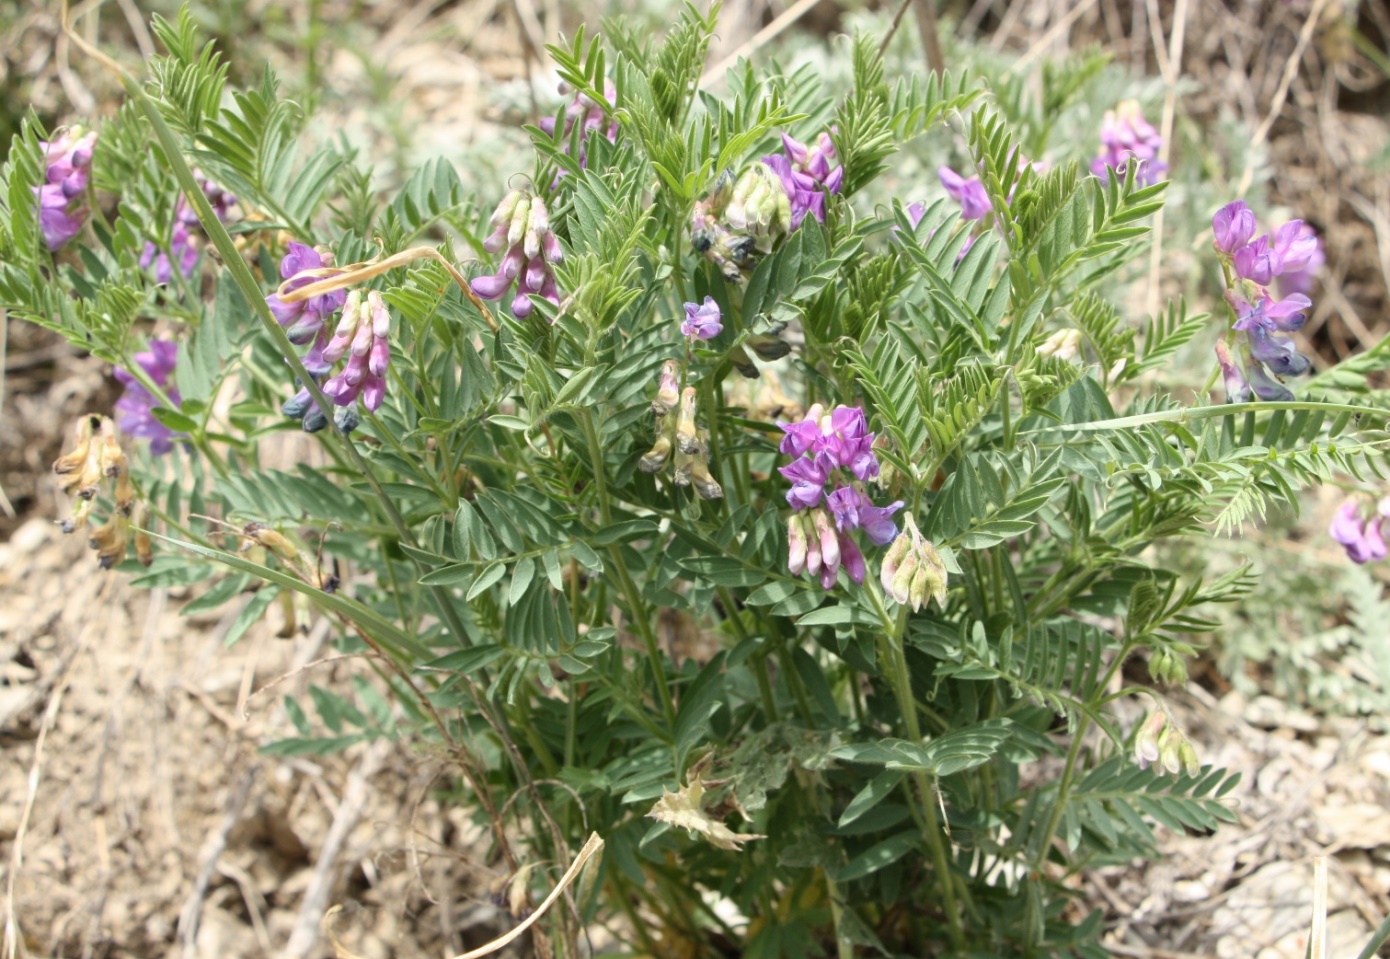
{"x": 587, "y": 635}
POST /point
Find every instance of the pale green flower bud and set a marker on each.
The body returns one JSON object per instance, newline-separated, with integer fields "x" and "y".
{"x": 901, "y": 589}
{"x": 706, "y": 487}
{"x": 1146, "y": 740}
{"x": 1188, "y": 754}
{"x": 1063, "y": 344}
{"x": 537, "y": 226}
{"x": 1170, "y": 750}
{"x": 521, "y": 214}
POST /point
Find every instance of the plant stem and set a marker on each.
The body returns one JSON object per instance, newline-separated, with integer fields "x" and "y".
{"x": 635, "y": 604}
{"x": 895, "y": 662}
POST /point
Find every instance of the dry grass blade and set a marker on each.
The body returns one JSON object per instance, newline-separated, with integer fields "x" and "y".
{"x": 338, "y": 278}
{"x": 591, "y": 848}
{"x": 1317, "y": 936}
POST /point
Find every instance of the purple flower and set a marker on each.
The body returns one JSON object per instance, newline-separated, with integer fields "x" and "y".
{"x": 1300, "y": 280}
{"x": 808, "y": 476}
{"x": 703, "y": 321}
{"x": 1277, "y": 353}
{"x": 1126, "y": 135}
{"x": 68, "y": 163}
{"x": 877, "y": 522}
{"x": 974, "y": 201}
{"x": 304, "y": 319}
{"x": 1292, "y": 248}
{"x": 801, "y": 436}
{"x": 1266, "y": 387}
{"x": 844, "y": 505}
{"x": 136, "y": 404}
{"x": 806, "y": 175}
{"x": 1362, "y": 539}
{"x": 1285, "y": 315}
{"x": 1234, "y": 225}
{"x": 852, "y": 559}
{"x": 1254, "y": 263}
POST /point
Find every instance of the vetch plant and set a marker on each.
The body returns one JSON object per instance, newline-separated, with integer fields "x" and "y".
{"x": 915, "y": 757}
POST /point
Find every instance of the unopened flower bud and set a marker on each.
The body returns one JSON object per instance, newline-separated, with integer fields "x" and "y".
{"x": 1063, "y": 344}
{"x": 829, "y": 541}
{"x": 1187, "y": 753}
{"x": 296, "y": 406}
{"x": 1170, "y": 743}
{"x": 901, "y": 586}
{"x": 796, "y": 545}
{"x": 1146, "y": 740}
{"x": 516, "y": 230}
{"x": 897, "y": 551}
{"x": 687, "y": 437}
{"x": 502, "y": 216}
{"x": 813, "y": 557}
{"x": 655, "y": 458}
{"x": 314, "y": 419}
{"x": 346, "y": 418}
{"x": 936, "y": 573}
{"x": 667, "y": 389}
{"x": 538, "y": 225}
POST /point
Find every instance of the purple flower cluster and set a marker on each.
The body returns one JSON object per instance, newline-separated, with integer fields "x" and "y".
{"x": 181, "y": 246}
{"x": 135, "y": 407}
{"x": 363, "y": 332}
{"x": 703, "y": 321}
{"x": 1362, "y": 537}
{"x": 521, "y": 226}
{"x": 588, "y": 114}
{"x": 1125, "y": 135}
{"x": 68, "y": 165}
{"x": 806, "y": 175}
{"x": 824, "y": 447}
{"x": 1254, "y": 263}
{"x": 305, "y": 321}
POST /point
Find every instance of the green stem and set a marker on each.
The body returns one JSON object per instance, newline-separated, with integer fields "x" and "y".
{"x": 636, "y": 606}
{"x": 895, "y": 661}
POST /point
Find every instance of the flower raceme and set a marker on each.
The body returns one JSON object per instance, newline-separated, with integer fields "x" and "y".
{"x": 1126, "y": 135}
{"x": 182, "y": 248}
{"x": 521, "y": 226}
{"x": 1250, "y": 264}
{"x": 68, "y": 164}
{"x": 742, "y": 217}
{"x": 825, "y": 447}
{"x": 363, "y": 337}
{"x": 913, "y": 571}
{"x": 135, "y": 407}
{"x": 588, "y": 114}
{"x": 1361, "y": 536}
